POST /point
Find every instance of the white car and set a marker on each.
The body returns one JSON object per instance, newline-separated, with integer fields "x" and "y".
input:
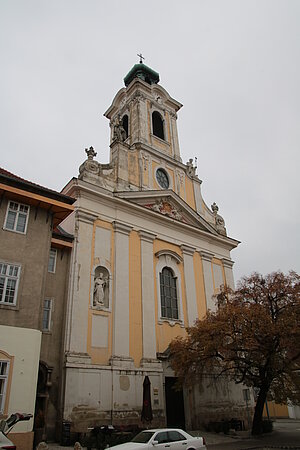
{"x": 172, "y": 438}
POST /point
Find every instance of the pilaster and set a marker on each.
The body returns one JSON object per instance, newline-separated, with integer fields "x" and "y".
{"x": 174, "y": 133}
{"x": 208, "y": 278}
{"x": 121, "y": 291}
{"x": 190, "y": 287}
{"x": 228, "y": 264}
{"x": 148, "y": 303}
{"x": 78, "y": 304}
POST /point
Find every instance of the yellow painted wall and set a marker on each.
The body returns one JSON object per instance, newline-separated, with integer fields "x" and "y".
{"x": 133, "y": 168}
{"x": 189, "y": 189}
{"x": 100, "y": 355}
{"x": 164, "y": 331}
{"x": 135, "y": 299}
{"x": 163, "y": 146}
{"x": 276, "y": 410}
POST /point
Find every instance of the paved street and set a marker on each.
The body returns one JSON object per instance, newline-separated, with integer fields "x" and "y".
{"x": 286, "y": 435}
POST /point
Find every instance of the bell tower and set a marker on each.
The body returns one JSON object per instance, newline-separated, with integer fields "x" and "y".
{"x": 144, "y": 147}
{"x": 143, "y": 113}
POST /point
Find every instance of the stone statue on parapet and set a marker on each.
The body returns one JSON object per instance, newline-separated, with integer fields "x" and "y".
{"x": 191, "y": 170}
{"x": 219, "y": 221}
{"x": 90, "y": 153}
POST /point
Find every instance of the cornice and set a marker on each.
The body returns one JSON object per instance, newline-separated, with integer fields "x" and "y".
{"x": 146, "y": 236}
{"x": 206, "y": 256}
{"x": 122, "y": 228}
{"x": 85, "y": 216}
{"x": 113, "y": 200}
{"x": 187, "y": 250}
{"x": 227, "y": 263}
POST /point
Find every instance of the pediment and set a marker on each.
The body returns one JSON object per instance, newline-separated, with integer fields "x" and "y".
{"x": 170, "y": 205}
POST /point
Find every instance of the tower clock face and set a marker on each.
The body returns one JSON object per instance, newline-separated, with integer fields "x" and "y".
{"x": 162, "y": 178}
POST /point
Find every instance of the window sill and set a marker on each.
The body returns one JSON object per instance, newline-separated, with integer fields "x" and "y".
{"x": 160, "y": 140}
{"x": 171, "y": 322}
{"x": 9, "y": 306}
{"x": 14, "y": 231}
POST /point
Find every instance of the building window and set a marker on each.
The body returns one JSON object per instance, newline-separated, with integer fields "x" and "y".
{"x": 158, "y": 125}
{"x": 52, "y": 260}
{"x": 47, "y": 310}
{"x": 4, "y": 366}
{"x": 9, "y": 280}
{"x": 16, "y": 217}
{"x": 162, "y": 178}
{"x": 168, "y": 294}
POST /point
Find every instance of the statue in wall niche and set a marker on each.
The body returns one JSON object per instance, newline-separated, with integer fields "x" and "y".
{"x": 101, "y": 286}
{"x": 119, "y": 130}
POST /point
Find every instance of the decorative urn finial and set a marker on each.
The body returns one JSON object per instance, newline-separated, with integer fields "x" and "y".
{"x": 91, "y": 153}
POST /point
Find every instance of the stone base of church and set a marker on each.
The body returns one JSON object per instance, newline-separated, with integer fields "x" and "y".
{"x": 216, "y": 402}
{"x": 111, "y": 395}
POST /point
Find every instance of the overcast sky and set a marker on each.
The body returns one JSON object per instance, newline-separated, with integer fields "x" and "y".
{"x": 233, "y": 64}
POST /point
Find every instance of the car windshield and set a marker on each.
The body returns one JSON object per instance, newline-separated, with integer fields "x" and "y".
{"x": 143, "y": 437}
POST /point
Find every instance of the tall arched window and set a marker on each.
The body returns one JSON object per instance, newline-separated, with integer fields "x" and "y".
{"x": 168, "y": 294}
{"x": 158, "y": 125}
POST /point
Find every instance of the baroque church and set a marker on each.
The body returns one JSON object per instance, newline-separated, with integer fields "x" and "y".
{"x": 148, "y": 256}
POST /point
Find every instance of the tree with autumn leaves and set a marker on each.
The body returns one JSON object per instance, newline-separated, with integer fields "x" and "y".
{"x": 253, "y": 337}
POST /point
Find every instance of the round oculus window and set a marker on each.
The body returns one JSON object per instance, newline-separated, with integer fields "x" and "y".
{"x": 162, "y": 178}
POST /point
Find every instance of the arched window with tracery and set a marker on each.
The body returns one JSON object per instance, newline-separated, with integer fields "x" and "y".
{"x": 158, "y": 125}
{"x": 168, "y": 294}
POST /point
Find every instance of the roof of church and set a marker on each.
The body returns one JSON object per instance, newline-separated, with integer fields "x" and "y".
{"x": 10, "y": 178}
{"x": 143, "y": 72}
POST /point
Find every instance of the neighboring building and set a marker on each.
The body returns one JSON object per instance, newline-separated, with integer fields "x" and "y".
{"x": 19, "y": 362}
{"x": 148, "y": 257}
{"x": 34, "y": 267}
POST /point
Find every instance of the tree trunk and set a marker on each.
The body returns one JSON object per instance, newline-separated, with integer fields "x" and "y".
{"x": 258, "y": 412}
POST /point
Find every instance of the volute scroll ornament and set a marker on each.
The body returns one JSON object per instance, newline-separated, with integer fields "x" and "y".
{"x": 89, "y": 165}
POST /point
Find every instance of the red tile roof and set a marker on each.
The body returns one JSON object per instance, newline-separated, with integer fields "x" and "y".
{"x": 10, "y": 178}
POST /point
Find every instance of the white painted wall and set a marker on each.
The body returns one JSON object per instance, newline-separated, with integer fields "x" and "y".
{"x": 24, "y": 345}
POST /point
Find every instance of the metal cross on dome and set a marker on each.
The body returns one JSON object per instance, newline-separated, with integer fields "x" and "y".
{"x": 141, "y": 57}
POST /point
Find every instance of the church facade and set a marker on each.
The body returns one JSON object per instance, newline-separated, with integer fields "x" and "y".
{"x": 148, "y": 256}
